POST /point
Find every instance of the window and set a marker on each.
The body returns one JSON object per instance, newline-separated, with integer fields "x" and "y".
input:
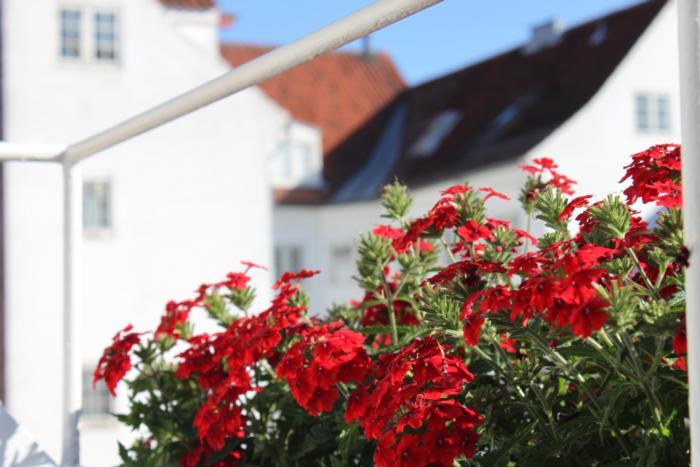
{"x": 342, "y": 267}
{"x": 288, "y": 258}
{"x": 89, "y": 34}
{"x": 439, "y": 128}
{"x": 97, "y": 205}
{"x": 105, "y": 36}
{"x": 663, "y": 112}
{"x": 297, "y": 160}
{"x": 653, "y": 113}
{"x": 642, "y": 105}
{"x": 96, "y": 402}
{"x": 70, "y": 33}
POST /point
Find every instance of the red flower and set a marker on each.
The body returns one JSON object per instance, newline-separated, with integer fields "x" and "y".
{"x": 175, "y": 313}
{"x": 680, "y": 341}
{"x": 656, "y": 176}
{"x": 235, "y": 281}
{"x": 251, "y": 265}
{"x": 490, "y": 192}
{"x": 545, "y": 163}
{"x": 507, "y": 344}
{"x": 473, "y": 322}
{"x": 577, "y": 202}
{"x": 324, "y": 356}
{"x": 523, "y": 234}
{"x": 455, "y": 190}
{"x": 115, "y": 361}
{"x": 420, "y": 382}
{"x": 387, "y": 231}
{"x": 288, "y": 277}
{"x": 588, "y": 317}
{"x": 472, "y": 231}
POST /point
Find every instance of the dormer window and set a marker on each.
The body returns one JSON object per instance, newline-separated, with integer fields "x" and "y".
{"x": 297, "y": 161}
{"x": 435, "y": 133}
{"x": 88, "y": 34}
{"x": 653, "y": 113}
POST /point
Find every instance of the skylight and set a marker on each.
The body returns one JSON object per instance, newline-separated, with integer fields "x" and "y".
{"x": 599, "y": 35}
{"x": 438, "y": 129}
{"x": 507, "y": 115}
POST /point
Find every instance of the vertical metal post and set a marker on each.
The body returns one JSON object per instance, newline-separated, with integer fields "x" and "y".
{"x": 689, "y": 54}
{"x": 72, "y": 315}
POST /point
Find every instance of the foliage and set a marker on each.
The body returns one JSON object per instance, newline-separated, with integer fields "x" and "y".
{"x": 466, "y": 348}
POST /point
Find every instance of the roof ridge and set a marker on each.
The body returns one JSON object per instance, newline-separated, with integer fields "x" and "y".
{"x": 189, "y": 4}
{"x": 517, "y": 49}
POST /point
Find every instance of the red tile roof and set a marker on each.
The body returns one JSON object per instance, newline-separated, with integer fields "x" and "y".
{"x": 189, "y": 4}
{"x": 336, "y": 92}
{"x": 540, "y": 91}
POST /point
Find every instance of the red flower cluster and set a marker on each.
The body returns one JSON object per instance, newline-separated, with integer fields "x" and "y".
{"x": 656, "y": 176}
{"x": 546, "y": 166}
{"x": 323, "y": 357}
{"x": 221, "y": 363}
{"x": 680, "y": 346}
{"x": 412, "y": 407}
{"x": 115, "y": 361}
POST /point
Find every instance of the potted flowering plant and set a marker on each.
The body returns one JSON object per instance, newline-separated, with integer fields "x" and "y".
{"x": 568, "y": 349}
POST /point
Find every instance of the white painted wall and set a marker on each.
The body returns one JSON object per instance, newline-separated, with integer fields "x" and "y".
{"x": 592, "y": 147}
{"x": 190, "y": 199}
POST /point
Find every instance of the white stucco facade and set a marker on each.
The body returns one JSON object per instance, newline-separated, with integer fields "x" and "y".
{"x": 189, "y": 200}
{"x": 591, "y": 147}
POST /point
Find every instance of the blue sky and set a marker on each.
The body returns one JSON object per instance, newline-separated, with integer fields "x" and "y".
{"x": 443, "y": 38}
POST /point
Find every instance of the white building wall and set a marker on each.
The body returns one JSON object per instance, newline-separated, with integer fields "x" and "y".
{"x": 592, "y": 147}
{"x": 190, "y": 199}
{"x": 595, "y": 144}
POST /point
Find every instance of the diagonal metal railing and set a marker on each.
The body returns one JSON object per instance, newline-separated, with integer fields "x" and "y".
{"x": 364, "y": 21}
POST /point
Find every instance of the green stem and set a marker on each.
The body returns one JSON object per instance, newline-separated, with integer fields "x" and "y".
{"x": 569, "y": 369}
{"x": 528, "y": 225}
{"x": 447, "y": 249}
{"x": 545, "y": 421}
{"x": 390, "y": 311}
{"x": 647, "y": 281}
{"x": 656, "y": 406}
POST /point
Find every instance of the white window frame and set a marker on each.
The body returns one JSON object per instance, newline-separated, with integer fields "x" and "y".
{"x": 291, "y": 167}
{"x": 99, "y": 394}
{"x": 88, "y": 34}
{"x": 114, "y": 44}
{"x": 289, "y": 257}
{"x": 99, "y": 230}
{"x": 648, "y": 114}
{"x": 80, "y": 32}
{"x": 342, "y": 272}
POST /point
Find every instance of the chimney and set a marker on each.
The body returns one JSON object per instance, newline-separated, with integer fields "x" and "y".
{"x": 367, "y": 47}
{"x": 199, "y": 26}
{"x": 544, "y": 36}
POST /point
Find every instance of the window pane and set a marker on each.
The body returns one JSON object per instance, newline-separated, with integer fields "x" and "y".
{"x": 105, "y": 36}
{"x": 342, "y": 267}
{"x": 663, "y": 112}
{"x": 642, "y": 104}
{"x": 95, "y": 401}
{"x": 70, "y": 33}
{"x": 288, "y": 258}
{"x": 97, "y": 205}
